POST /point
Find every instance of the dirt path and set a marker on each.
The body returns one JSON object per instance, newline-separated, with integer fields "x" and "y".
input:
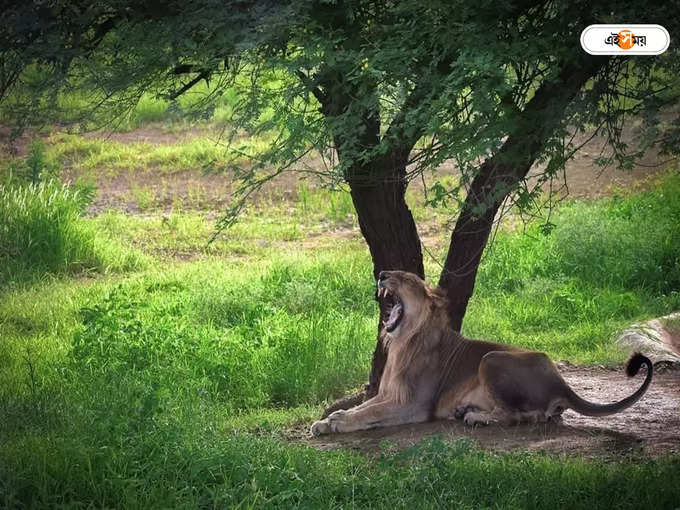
{"x": 650, "y": 428}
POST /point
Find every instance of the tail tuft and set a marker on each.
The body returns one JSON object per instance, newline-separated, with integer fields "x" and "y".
{"x": 635, "y": 362}
{"x": 632, "y": 368}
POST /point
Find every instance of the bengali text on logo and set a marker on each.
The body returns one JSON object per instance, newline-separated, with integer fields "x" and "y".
{"x": 625, "y": 39}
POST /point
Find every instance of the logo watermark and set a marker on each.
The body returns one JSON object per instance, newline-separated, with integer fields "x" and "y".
{"x": 625, "y": 39}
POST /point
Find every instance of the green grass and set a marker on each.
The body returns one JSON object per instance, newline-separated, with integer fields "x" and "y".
{"x": 205, "y": 151}
{"x": 75, "y": 107}
{"x": 174, "y": 467}
{"x": 606, "y": 264}
{"x": 42, "y": 232}
{"x": 187, "y": 234}
{"x": 93, "y": 156}
{"x": 168, "y": 384}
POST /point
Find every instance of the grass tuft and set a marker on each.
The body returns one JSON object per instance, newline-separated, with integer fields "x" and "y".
{"x": 42, "y": 231}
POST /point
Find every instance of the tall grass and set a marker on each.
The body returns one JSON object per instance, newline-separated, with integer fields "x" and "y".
{"x": 291, "y": 335}
{"x": 42, "y": 231}
{"x": 633, "y": 241}
{"x": 628, "y": 242}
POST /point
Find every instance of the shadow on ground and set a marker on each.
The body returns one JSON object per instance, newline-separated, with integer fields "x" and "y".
{"x": 651, "y": 428}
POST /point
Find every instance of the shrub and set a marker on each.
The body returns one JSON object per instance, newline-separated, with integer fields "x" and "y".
{"x": 42, "y": 231}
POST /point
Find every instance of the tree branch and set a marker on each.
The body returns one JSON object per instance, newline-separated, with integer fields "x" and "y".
{"x": 203, "y": 75}
{"x": 311, "y": 86}
{"x": 501, "y": 173}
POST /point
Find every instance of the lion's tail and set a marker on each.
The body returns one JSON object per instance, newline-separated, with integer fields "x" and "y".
{"x": 591, "y": 409}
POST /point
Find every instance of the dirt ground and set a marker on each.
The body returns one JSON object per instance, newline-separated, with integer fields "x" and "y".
{"x": 583, "y": 178}
{"x": 651, "y": 428}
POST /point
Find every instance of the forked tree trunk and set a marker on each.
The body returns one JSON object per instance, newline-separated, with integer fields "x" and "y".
{"x": 390, "y": 232}
{"x": 470, "y": 236}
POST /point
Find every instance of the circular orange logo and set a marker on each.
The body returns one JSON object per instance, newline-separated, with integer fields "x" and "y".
{"x": 625, "y": 39}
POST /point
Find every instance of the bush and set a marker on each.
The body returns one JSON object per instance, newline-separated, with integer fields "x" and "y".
{"x": 42, "y": 231}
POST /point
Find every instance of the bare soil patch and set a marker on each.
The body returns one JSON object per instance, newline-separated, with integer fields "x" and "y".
{"x": 671, "y": 332}
{"x": 583, "y": 179}
{"x": 651, "y": 428}
{"x": 15, "y": 147}
{"x": 137, "y": 192}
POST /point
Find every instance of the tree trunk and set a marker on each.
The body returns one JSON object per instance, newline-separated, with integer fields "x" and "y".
{"x": 388, "y": 227}
{"x": 498, "y": 177}
{"x": 458, "y": 276}
{"x": 377, "y": 188}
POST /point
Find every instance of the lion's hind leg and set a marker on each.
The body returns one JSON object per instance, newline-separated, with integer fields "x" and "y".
{"x": 522, "y": 386}
{"x": 504, "y": 417}
{"x": 497, "y": 415}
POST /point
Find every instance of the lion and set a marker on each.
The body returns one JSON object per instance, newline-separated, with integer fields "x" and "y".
{"x": 432, "y": 372}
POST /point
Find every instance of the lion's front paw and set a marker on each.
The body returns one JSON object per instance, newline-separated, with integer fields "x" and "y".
{"x": 332, "y": 423}
{"x": 320, "y": 427}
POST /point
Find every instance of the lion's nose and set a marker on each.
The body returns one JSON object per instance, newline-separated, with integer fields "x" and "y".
{"x": 383, "y": 275}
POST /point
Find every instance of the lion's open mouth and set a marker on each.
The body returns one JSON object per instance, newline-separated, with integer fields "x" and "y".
{"x": 396, "y": 312}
